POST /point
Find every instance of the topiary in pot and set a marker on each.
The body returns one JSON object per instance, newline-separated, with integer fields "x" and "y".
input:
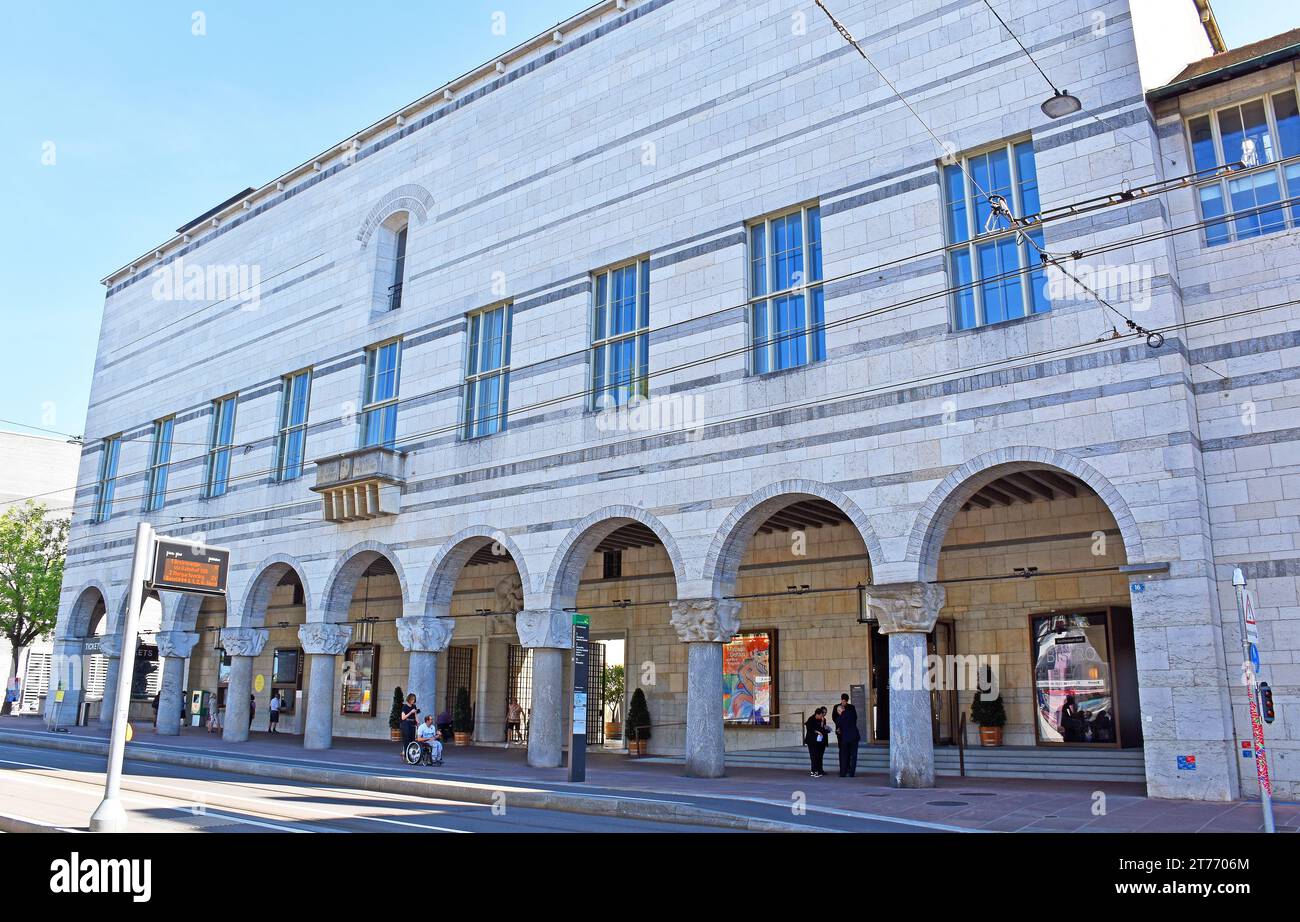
{"x": 462, "y": 719}
{"x": 637, "y": 726}
{"x": 991, "y": 717}
{"x": 395, "y": 716}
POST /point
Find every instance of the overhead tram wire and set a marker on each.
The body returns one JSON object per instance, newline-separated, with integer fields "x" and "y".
{"x": 1024, "y": 361}
{"x": 843, "y": 321}
{"x": 1153, "y": 340}
{"x": 1041, "y": 218}
{"x": 1120, "y": 244}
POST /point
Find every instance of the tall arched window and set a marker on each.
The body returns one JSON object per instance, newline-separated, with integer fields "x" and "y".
{"x": 390, "y": 269}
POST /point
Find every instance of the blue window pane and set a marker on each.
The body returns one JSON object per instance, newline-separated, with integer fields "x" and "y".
{"x": 819, "y": 324}
{"x": 1248, "y": 195}
{"x": 1232, "y": 134}
{"x": 792, "y": 346}
{"x": 815, "y": 244}
{"x": 1258, "y": 147}
{"x": 1293, "y": 190}
{"x": 1288, "y": 123}
{"x": 1212, "y": 207}
{"x": 293, "y": 454}
{"x": 644, "y": 319}
{"x": 965, "y": 296}
{"x": 1002, "y": 296}
{"x": 787, "y": 253}
{"x": 758, "y": 323}
{"x": 758, "y": 260}
{"x": 643, "y": 370}
{"x": 598, "y": 376}
{"x": 1203, "y": 154}
{"x": 954, "y": 186}
{"x": 992, "y": 174}
{"x": 1038, "y": 300}
{"x": 600, "y": 327}
{"x": 1028, "y": 172}
{"x": 623, "y": 302}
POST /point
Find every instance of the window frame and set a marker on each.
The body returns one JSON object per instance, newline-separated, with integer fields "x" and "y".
{"x": 472, "y": 378}
{"x": 211, "y": 489}
{"x": 398, "y": 277}
{"x": 1222, "y": 177}
{"x": 600, "y": 352}
{"x": 160, "y": 453}
{"x": 106, "y": 482}
{"x": 286, "y": 429}
{"x": 1026, "y": 267}
{"x": 369, "y": 405}
{"x": 814, "y": 334}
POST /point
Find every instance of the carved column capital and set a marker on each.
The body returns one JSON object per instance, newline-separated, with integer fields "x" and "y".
{"x": 425, "y": 634}
{"x": 324, "y": 637}
{"x": 705, "y": 620}
{"x": 107, "y": 644}
{"x": 176, "y": 643}
{"x": 546, "y": 628}
{"x": 243, "y": 641}
{"x": 906, "y": 607}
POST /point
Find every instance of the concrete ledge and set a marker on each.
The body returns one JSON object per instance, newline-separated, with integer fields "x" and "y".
{"x": 486, "y": 794}
{"x": 18, "y": 824}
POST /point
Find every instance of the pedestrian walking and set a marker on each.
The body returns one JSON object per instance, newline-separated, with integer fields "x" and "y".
{"x": 847, "y": 736}
{"x": 252, "y": 710}
{"x": 410, "y": 716}
{"x": 275, "y": 713}
{"x": 815, "y": 739}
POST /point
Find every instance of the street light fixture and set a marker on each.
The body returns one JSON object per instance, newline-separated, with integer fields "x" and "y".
{"x": 1061, "y": 104}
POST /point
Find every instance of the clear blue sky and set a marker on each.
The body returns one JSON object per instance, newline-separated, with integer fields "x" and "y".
{"x": 152, "y": 125}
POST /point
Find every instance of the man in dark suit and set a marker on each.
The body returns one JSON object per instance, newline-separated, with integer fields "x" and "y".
{"x": 847, "y": 736}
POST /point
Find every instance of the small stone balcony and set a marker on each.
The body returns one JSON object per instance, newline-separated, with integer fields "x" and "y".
{"x": 361, "y": 484}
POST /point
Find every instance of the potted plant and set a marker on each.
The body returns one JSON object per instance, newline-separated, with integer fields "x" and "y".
{"x": 395, "y": 717}
{"x": 614, "y": 681}
{"x": 991, "y": 717}
{"x": 638, "y": 723}
{"x": 462, "y": 719}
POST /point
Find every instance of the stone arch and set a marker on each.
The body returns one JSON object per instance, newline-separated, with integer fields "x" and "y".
{"x": 946, "y": 499}
{"x": 412, "y": 198}
{"x": 435, "y": 594}
{"x": 347, "y": 572}
{"x": 561, "y": 587}
{"x": 257, "y": 595}
{"x": 722, "y": 562}
{"x": 181, "y": 610}
{"x": 78, "y": 623}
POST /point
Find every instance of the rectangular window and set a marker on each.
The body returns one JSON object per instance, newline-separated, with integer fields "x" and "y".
{"x": 997, "y": 274}
{"x": 1240, "y": 148}
{"x": 160, "y": 457}
{"x": 787, "y": 308}
{"x": 612, "y": 565}
{"x": 220, "y": 439}
{"x": 399, "y": 272}
{"x": 379, "y": 404}
{"x": 487, "y": 372}
{"x": 109, "y": 452}
{"x": 620, "y": 335}
{"x": 295, "y": 398}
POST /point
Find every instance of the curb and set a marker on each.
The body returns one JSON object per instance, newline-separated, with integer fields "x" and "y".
{"x": 483, "y": 794}
{"x": 18, "y": 824}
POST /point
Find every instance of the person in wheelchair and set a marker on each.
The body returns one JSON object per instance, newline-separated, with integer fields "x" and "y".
{"x": 430, "y": 739}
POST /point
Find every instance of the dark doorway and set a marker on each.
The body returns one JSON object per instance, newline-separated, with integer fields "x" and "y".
{"x": 943, "y": 703}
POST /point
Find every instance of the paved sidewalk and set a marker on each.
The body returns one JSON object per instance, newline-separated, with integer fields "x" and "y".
{"x": 832, "y": 802}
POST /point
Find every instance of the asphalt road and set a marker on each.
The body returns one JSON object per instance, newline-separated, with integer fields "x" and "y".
{"x": 63, "y": 788}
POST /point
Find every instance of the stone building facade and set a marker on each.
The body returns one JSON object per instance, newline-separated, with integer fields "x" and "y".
{"x": 874, "y": 428}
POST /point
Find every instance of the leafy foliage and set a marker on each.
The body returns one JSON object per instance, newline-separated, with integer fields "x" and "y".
{"x": 638, "y": 717}
{"x": 32, "y": 549}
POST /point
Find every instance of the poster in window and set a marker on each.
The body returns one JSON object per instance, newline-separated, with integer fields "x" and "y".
{"x": 360, "y": 671}
{"x": 749, "y": 677}
{"x": 1072, "y": 685}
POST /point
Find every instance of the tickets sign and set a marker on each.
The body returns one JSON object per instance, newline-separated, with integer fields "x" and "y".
{"x": 183, "y": 566}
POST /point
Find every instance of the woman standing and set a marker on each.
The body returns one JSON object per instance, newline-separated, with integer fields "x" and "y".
{"x": 410, "y": 717}
{"x": 815, "y": 738}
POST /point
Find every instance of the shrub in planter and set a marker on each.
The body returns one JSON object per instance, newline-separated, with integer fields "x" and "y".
{"x": 991, "y": 717}
{"x": 395, "y": 715}
{"x": 637, "y": 727}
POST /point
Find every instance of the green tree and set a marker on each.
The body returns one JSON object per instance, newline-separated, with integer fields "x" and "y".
{"x": 615, "y": 681}
{"x": 32, "y": 548}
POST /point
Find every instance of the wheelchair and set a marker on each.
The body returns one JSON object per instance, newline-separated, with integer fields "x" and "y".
{"x": 417, "y": 754}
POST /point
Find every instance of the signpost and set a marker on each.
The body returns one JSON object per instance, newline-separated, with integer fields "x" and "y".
{"x": 179, "y": 566}
{"x": 1250, "y": 675}
{"x": 578, "y": 742}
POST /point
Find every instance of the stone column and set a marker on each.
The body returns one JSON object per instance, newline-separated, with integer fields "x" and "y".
{"x": 323, "y": 643}
{"x": 704, "y": 625}
{"x": 69, "y": 668}
{"x": 241, "y": 645}
{"x": 907, "y": 612}
{"x": 548, "y": 633}
{"x": 424, "y": 638}
{"x": 110, "y": 645}
{"x": 174, "y": 647}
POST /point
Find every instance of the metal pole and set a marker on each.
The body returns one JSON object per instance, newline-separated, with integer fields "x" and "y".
{"x": 1250, "y": 674}
{"x": 110, "y": 816}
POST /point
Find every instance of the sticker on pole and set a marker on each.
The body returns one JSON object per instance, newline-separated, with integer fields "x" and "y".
{"x": 183, "y": 566}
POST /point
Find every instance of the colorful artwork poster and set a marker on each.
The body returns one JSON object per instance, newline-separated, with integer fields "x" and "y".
{"x": 360, "y": 669}
{"x": 747, "y": 681}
